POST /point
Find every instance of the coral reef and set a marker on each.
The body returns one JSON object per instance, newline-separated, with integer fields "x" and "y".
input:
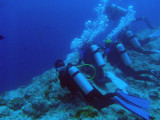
{"x": 86, "y": 112}
{"x": 16, "y": 103}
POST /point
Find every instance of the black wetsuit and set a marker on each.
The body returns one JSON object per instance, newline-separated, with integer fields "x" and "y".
{"x": 127, "y": 43}
{"x": 94, "y": 98}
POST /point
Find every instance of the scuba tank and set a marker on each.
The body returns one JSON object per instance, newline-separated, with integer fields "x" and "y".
{"x": 97, "y": 56}
{"x": 115, "y": 12}
{"x": 124, "y": 55}
{"x": 123, "y": 11}
{"x": 134, "y": 41}
{"x": 82, "y": 82}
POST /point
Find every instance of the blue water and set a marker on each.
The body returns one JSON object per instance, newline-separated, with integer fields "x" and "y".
{"x": 40, "y": 31}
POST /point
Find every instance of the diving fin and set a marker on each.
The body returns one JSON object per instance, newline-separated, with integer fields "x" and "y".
{"x": 142, "y": 113}
{"x": 117, "y": 81}
{"x": 134, "y": 100}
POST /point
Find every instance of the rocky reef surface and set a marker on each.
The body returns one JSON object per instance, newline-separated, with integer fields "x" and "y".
{"x": 44, "y": 99}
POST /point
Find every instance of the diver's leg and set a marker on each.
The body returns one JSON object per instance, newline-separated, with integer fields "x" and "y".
{"x": 128, "y": 70}
{"x": 99, "y": 101}
{"x": 146, "y": 78}
{"x": 134, "y": 74}
{"x": 137, "y": 74}
{"x": 145, "y": 52}
{"x": 145, "y": 20}
{"x": 105, "y": 101}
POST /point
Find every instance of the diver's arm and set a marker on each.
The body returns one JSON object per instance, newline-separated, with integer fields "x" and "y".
{"x": 145, "y": 20}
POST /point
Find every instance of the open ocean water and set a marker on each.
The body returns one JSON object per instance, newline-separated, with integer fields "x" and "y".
{"x": 37, "y": 32}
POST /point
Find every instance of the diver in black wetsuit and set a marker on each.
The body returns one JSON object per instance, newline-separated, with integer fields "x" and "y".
{"x": 78, "y": 85}
{"x": 117, "y": 56}
{"x": 93, "y": 97}
{"x": 130, "y": 41}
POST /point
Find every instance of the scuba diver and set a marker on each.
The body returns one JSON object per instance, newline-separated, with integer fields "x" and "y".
{"x": 78, "y": 85}
{"x": 130, "y": 40}
{"x": 117, "y": 56}
{"x": 115, "y": 13}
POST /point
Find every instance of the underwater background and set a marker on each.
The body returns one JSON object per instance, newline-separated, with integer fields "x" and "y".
{"x": 37, "y": 32}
